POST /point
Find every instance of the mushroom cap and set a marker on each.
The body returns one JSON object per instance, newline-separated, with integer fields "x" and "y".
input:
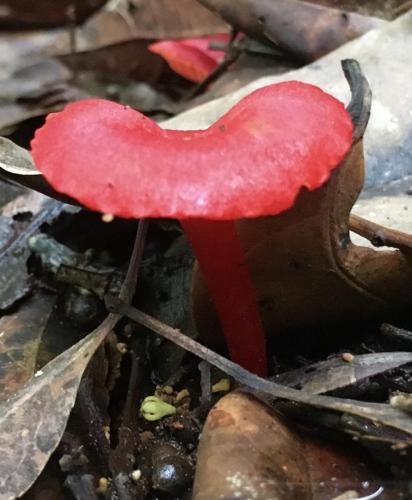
{"x": 251, "y": 162}
{"x": 191, "y": 57}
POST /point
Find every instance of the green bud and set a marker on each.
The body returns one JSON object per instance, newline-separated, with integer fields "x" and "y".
{"x": 154, "y": 408}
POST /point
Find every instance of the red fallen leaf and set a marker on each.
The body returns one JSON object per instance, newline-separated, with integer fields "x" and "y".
{"x": 191, "y": 58}
{"x": 251, "y": 162}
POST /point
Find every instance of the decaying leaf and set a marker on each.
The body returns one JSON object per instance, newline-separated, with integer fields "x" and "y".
{"x": 247, "y": 450}
{"x": 21, "y": 333}
{"x": 34, "y": 89}
{"x": 307, "y": 31}
{"x": 17, "y": 165}
{"x": 15, "y": 159}
{"x": 117, "y": 22}
{"x": 387, "y": 9}
{"x": 14, "y": 278}
{"x": 154, "y": 20}
{"x": 14, "y": 252}
{"x": 157, "y": 19}
{"x": 45, "y": 13}
{"x": 336, "y": 373}
{"x": 33, "y": 420}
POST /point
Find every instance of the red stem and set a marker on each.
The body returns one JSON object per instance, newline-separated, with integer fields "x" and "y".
{"x": 226, "y": 273}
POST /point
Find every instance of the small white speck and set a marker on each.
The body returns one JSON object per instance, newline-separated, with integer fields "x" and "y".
{"x": 136, "y": 475}
{"x": 38, "y": 373}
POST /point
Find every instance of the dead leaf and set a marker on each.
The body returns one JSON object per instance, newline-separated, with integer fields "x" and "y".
{"x": 17, "y": 165}
{"x": 305, "y": 30}
{"x": 129, "y": 59}
{"x": 34, "y": 89}
{"x": 247, "y": 450}
{"x": 157, "y": 19}
{"x": 336, "y": 373}
{"x": 20, "y": 337}
{"x": 388, "y": 9}
{"x": 14, "y": 278}
{"x": 20, "y": 45}
{"x": 33, "y": 420}
{"x": 45, "y": 13}
{"x": 15, "y": 159}
{"x": 14, "y": 251}
{"x": 119, "y": 21}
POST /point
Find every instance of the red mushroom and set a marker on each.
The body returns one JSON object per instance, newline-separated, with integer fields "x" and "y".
{"x": 252, "y": 162}
{"x": 191, "y": 58}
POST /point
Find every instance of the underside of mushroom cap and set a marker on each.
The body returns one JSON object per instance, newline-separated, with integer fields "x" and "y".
{"x": 253, "y": 161}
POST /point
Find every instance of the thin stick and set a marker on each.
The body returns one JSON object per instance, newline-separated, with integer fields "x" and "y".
{"x": 380, "y": 235}
{"x": 396, "y": 333}
{"x": 375, "y": 412}
{"x": 232, "y": 53}
{"x": 129, "y": 285}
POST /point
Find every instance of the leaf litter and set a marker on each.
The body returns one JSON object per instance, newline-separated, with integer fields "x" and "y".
{"x": 126, "y": 456}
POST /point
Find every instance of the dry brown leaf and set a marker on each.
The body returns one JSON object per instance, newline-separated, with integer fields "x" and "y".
{"x": 388, "y": 9}
{"x": 247, "y": 450}
{"x": 33, "y": 420}
{"x": 21, "y": 333}
{"x": 156, "y": 19}
{"x": 336, "y": 373}
{"x": 45, "y": 13}
{"x": 17, "y": 165}
{"x": 305, "y": 30}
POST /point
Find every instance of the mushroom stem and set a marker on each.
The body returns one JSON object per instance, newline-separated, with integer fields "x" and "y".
{"x": 223, "y": 264}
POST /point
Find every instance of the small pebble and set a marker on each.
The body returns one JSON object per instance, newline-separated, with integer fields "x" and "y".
{"x": 103, "y": 486}
{"x": 184, "y": 393}
{"x": 121, "y": 347}
{"x": 348, "y": 357}
{"x": 136, "y": 475}
{"x": 171, "y": 475}
{"x": 107, "y": 218}
{"x": 167, "y": 389}
{"x": 223, "y": 385}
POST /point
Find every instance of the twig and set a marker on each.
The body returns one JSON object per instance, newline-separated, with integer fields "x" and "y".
{"x": 373, "y": 411}
{"x": 81, "y": 487}
{"x": 129, "y": 285}
{"x": 380, "y": 235}
{"x": 205, "y": 384}
{"x": 72, "y": 18}
{"x": 232, "y": 57}
{"x": 51, "y": 210}
{"x": 401, "y": 9}
{"x": 396, "y": 333}
{"x": 233, "y": 53}
{"x": 93, "y": 421}
{"x": 127, "y": 435}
